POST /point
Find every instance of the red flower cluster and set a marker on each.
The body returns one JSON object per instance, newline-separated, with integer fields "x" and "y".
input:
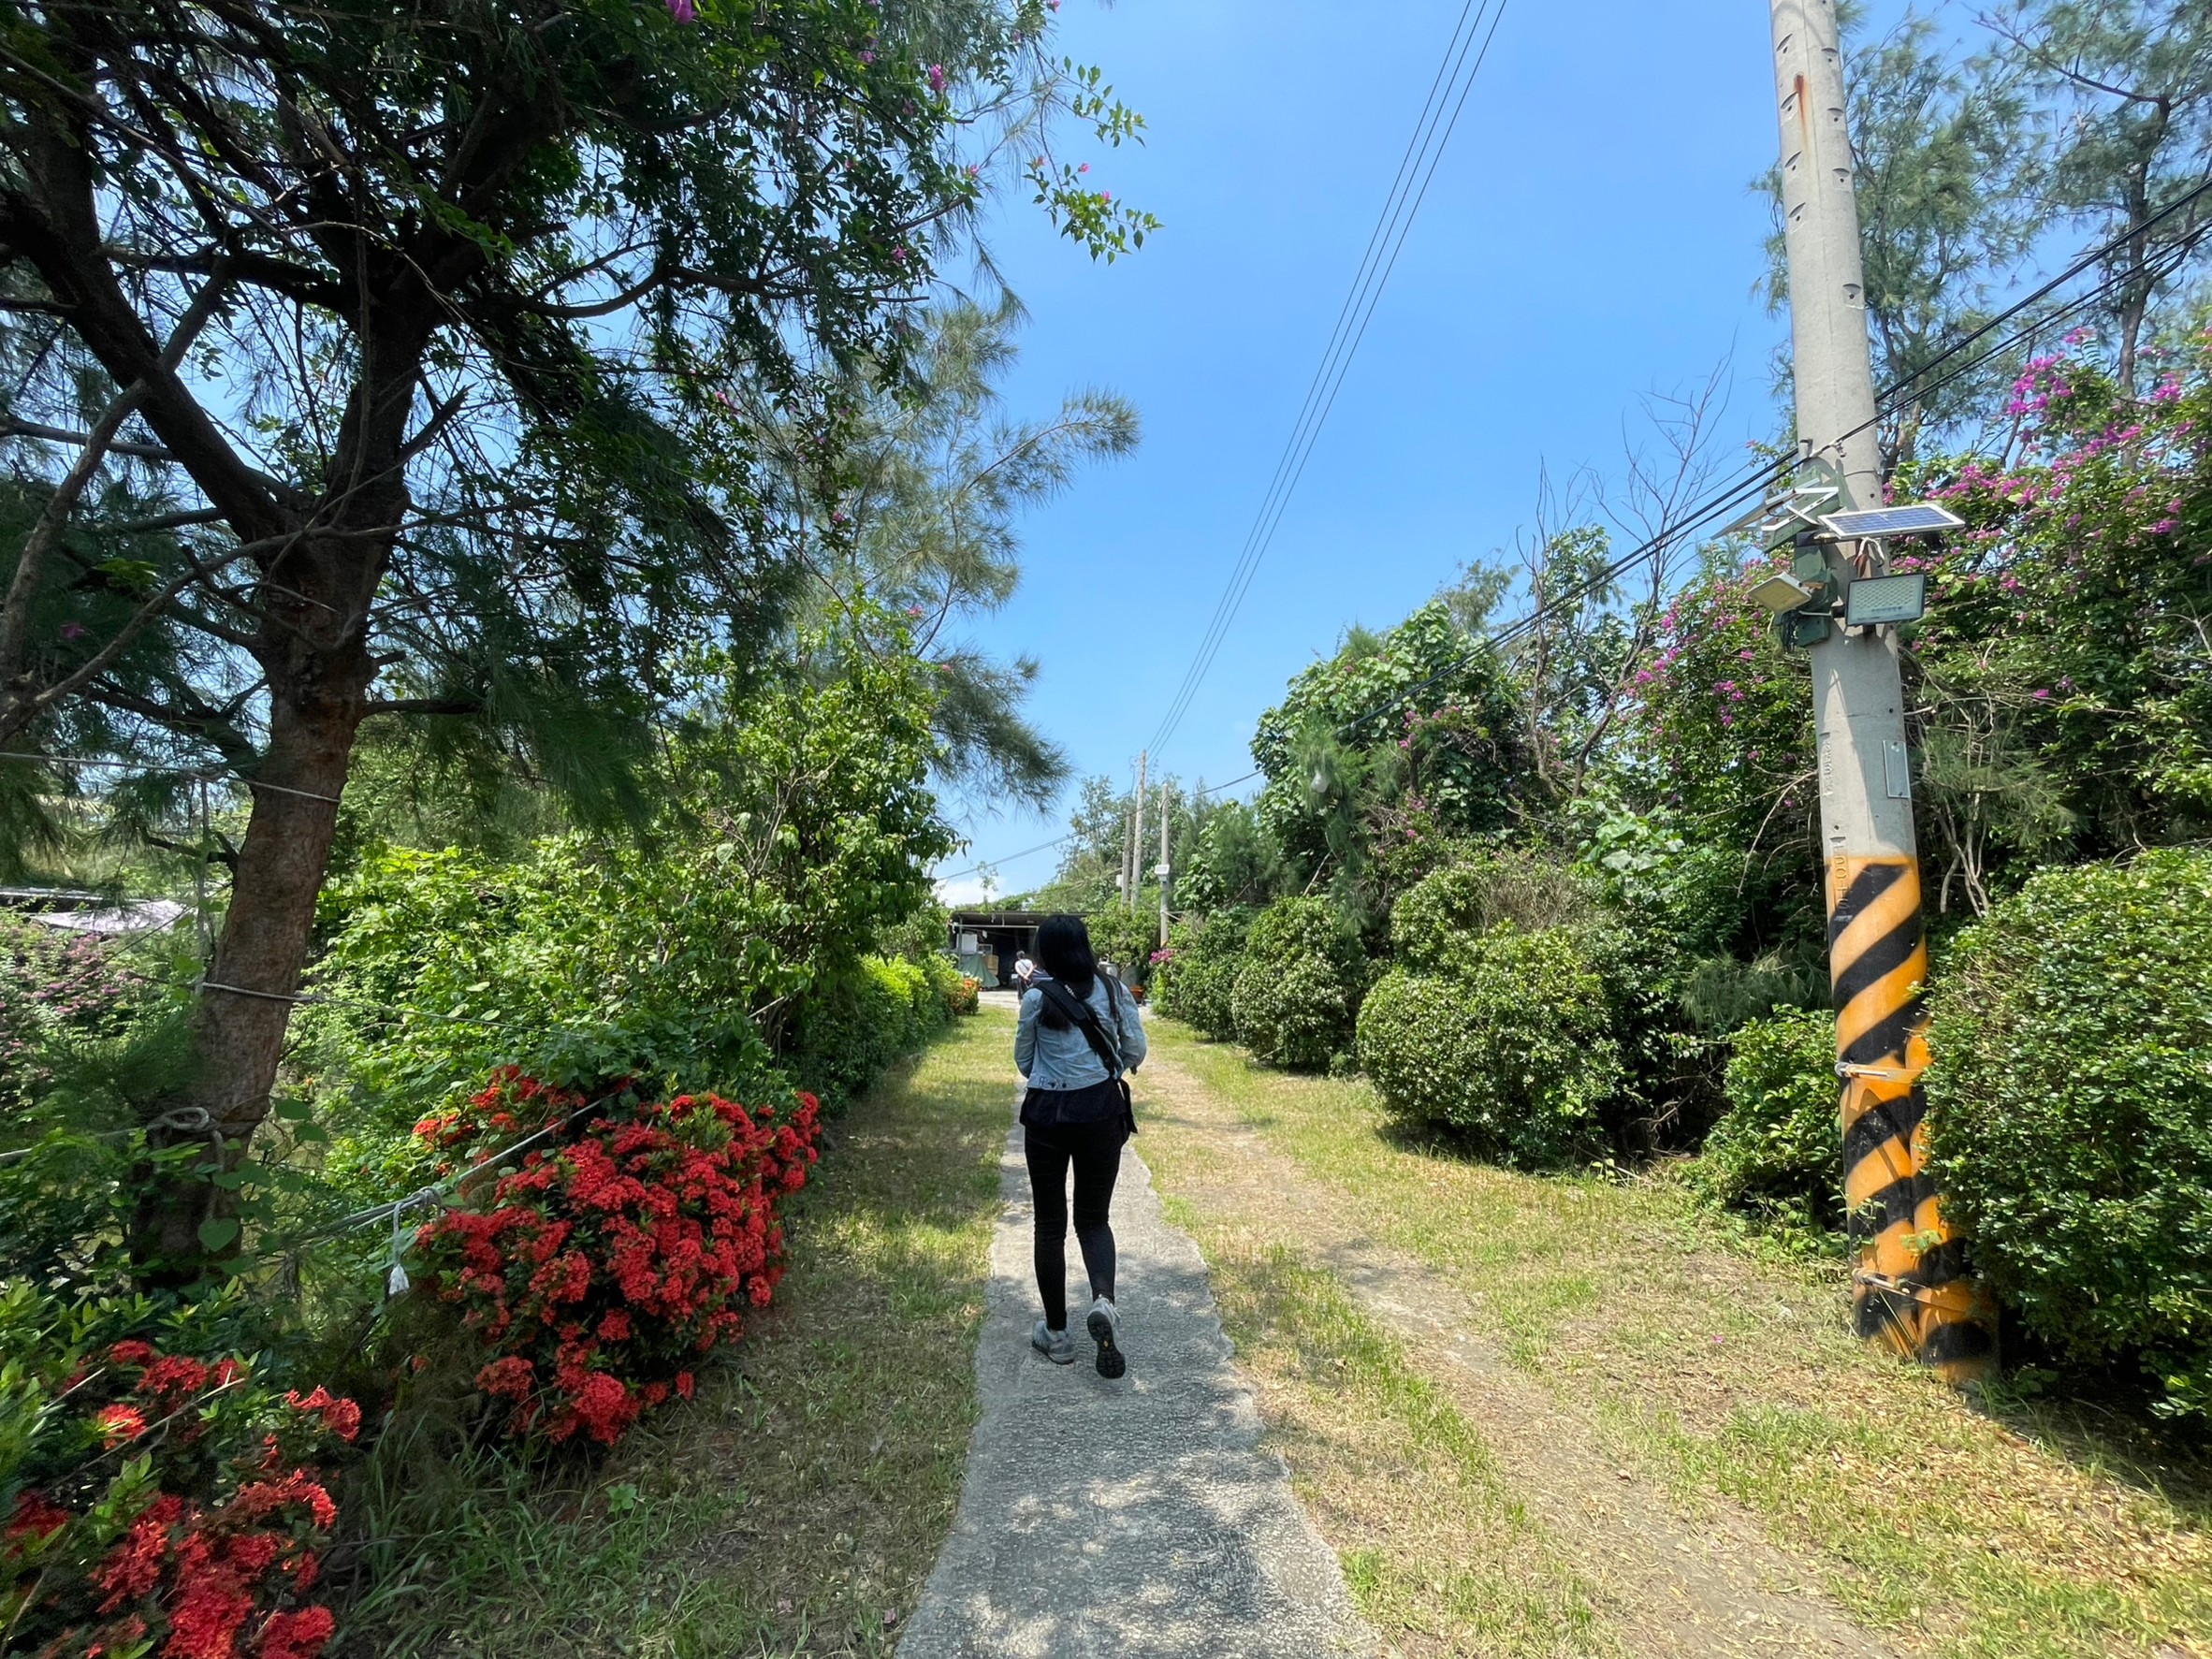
{"x": 211, "y": 1553}
{"x": 604, "y": 1266}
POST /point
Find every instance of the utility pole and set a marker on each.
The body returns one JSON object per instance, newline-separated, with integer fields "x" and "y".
{"x": 1128, "y": 858}
{"x": 1909, "y": 1289}
{"x": 1162, "y": 871}
{"x": 1137, "y": 841}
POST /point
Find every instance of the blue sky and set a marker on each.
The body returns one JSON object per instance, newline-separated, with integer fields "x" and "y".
{"x": 1590, "y": 236}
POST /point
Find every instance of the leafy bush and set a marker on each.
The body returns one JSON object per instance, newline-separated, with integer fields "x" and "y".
{"x": 1129, "y": 938}
{"x": 55, "y": 986}
{"x": 1440, "y": 924}
{"x": 576, "y": 963}
{"x": 1197, "y": 978}
{"x": 1298, "y": 993}
{"x": 156, "y": 1498}
{"x": 1775, "y": 1152}
{"x": 603, "y": 1269}
{"x": 960, "y": 993}
{"x": 2071, "y": 1109}
{"x": 852, "y": 1030}
{"x": 1516, "y": 1050}
{"x": 90, "y": 1045}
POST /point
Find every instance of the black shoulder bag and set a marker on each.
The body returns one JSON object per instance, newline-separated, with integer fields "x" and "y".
{"x": 1085, "y": 1019}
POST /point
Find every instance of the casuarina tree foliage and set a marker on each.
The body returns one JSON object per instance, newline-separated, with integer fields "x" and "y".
{"x": 384, "y": 363}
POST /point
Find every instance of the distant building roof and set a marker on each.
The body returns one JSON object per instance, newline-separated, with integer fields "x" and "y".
{"x": 145, "y": 915}
{"x": 50, "y": 898}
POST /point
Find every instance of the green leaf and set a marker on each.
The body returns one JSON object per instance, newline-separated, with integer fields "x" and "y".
{"x": 218, "y": 1233}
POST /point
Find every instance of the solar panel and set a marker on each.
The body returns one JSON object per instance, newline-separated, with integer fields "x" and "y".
{"x": 1878, "y": 523}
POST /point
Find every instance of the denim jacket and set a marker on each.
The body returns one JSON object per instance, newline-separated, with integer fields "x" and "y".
{"x": 1052, "y": 1059}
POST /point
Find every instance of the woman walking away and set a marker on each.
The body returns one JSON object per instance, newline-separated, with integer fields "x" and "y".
{"x": 1079, "y": 1034}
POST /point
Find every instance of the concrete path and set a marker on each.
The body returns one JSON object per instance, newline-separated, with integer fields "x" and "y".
{"x": 1137, "y": 1518}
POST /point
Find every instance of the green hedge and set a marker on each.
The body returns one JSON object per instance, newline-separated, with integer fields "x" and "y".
{"x": 1514, "y": 1050}
{"x": 1196, "y": 982}
{"x": 2071, "y": 1109}
{"x": 1776, "y": 1152}
{"x": 1297, "y": 995}
{"x": 852, "y": 1030}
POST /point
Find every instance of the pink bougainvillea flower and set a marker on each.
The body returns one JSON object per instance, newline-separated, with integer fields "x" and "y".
{"x": 937, "y": 78}
{"x": 683, "y": 11}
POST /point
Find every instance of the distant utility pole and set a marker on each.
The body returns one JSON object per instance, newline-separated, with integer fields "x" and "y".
{"x": 1128, "y": 858}
{"x": 1137, "y": 841}
{"x": 1909, "y": 1286}
{"x": 1163, "y": 870}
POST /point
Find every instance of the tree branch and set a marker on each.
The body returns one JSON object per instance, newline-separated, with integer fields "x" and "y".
{"x": 15, "y": 615}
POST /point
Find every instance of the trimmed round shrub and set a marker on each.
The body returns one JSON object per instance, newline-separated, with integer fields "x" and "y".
{"x": 1776, "y": 1152}
{"x": 1197, "y": 978}
{"x": 2071, "y": 1109}
{"x": 966, "y": 997}
{"x": 1439, "y": 923}
{"x": 1297, "y": 997}
{"x": 1516, "y": 1051}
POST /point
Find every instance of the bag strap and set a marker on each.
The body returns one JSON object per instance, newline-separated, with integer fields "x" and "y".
{"x": 1085, "y": 1019}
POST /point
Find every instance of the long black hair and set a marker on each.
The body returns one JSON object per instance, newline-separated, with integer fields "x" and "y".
{"x": 1064, "y": 951}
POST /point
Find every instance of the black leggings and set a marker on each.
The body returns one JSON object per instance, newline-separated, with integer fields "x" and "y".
{"x": 1095, "y": 1150}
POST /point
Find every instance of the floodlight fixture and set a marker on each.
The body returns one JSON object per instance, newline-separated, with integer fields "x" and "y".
{"x": 1872, "y": 600}
{"x": 1881, "y": 524}
{"x": 1782, "y": 594}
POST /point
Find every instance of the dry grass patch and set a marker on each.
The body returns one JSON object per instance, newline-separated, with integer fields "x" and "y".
{"x": 2033, "y": 1532}
{"x": 796, "y": 1508}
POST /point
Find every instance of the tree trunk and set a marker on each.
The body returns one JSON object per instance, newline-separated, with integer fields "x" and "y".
{"x": 237, "y": 1034}
{"x": 314, "y": 647}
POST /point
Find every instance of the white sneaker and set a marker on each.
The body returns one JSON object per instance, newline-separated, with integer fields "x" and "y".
{"x": 1055, "y": 1346}
{"x": 1105, "y": 1328}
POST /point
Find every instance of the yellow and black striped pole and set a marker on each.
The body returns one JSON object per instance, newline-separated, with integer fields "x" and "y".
{"x": 1911, "y": 1289}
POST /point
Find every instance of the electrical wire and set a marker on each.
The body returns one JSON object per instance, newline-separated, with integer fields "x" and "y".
{"x": 1913, "y": 384}
{"x": 1433, "y": 130}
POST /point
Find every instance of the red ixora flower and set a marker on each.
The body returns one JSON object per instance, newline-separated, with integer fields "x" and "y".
{"x": 343, "y": 1417}
{"x": 295, "y": 1636}
{"x": 119, "y": 1423}
{"x": 599, "y": 1270}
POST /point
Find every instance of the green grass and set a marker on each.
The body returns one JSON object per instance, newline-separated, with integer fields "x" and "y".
{"x": 1437, "y": 1552}
{"x": 796, "y": 1506}
{"x": 2043, "y": 1533}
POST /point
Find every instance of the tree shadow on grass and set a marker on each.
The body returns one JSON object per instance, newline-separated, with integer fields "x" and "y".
{"x": 2102, "y": 1421}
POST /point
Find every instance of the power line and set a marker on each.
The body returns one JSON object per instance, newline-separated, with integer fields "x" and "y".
{"x": 1889, "y": 398}
{"x": 1197, "y": 794}
{"x": 1409, "y": 188}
